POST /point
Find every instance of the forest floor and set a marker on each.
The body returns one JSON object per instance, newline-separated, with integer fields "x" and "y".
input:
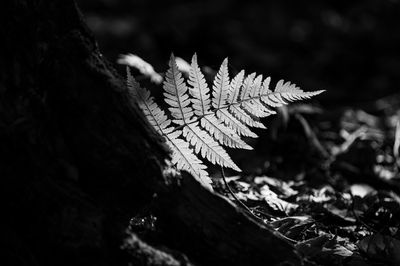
{"x": 329, "y": 181}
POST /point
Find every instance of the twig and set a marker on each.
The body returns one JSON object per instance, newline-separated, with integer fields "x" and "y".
{"x": 396, "y": 145}
{"x": 356, "y": 216}
{"x": 311, "y": 136}
{"x": 263, "y": 213}
{"x": 248, "y": 209}
{"x": 350, "y": 139}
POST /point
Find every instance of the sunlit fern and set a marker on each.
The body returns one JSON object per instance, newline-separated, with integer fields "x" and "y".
{"x": 201, "y": 121}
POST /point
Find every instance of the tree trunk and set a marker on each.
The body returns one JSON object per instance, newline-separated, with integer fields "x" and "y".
{"x": 78, "y": 159}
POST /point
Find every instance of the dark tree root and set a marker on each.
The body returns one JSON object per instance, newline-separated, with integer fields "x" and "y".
{"x": 209, "y": 228}
{"x": 144, "y": 254}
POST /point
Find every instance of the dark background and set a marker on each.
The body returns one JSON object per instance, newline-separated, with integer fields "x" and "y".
{"x": 349, "y": 48}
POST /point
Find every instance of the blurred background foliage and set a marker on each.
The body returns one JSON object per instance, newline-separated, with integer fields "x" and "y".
{"x": 350, "y": 48}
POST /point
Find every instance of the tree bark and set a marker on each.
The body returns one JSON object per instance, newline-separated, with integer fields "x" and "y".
{"x": 78, "y": 159}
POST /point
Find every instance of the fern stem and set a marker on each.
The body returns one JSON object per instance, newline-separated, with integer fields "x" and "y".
{"x": 235, "y": 197}
{"x": 292, "y": 241}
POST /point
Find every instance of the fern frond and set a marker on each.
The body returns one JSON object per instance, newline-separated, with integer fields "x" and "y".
{"x": 242, "y": 116}
{"x": 182, "y": 155}
{"x": 266, "y": 91}
{"x": 208, "y": 148}
{"x": 224, "y": 135}
{"x": 254, "y": 106}
{"x": 244, "y": 111}
{"x": 263, "y": 91}
{"x": 184, "y": 158}
{"x": 156, "y": 117}
{"x": 292, "y": 93}
{"x": 286, "y": 92}
{"x": 234, "y": 124}
{"x": 228, "y": 116}
{"x": 261, "y": 109}
{"x": 203, "y": 120}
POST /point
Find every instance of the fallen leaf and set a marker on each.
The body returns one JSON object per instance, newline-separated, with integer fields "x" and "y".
{"x": 381, "y": 247}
